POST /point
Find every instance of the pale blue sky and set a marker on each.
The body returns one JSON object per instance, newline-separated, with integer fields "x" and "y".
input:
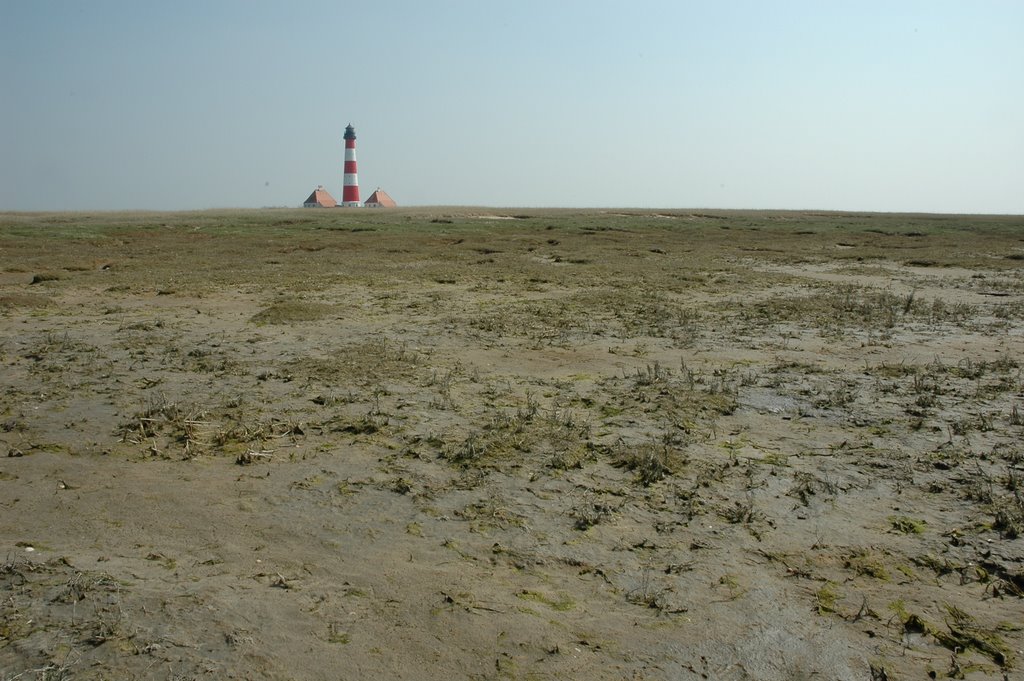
{"x": 887, "y": 106}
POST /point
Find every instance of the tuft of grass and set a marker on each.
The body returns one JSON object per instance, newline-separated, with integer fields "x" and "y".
{"x": 912, "y": 623}
{"x": 743, "y": 512}
{"x": 16, "y": 300}
{"x": 964, "y": 633}
{"x": 470, "y": 452}
{"x": 730, "y": 582}
{"x": 335, "y": 634}
{"x": 650, "y": 461}
{"x": 906, "y": 525}
{"x": 864, "y": 562}
{"x": 1008, "y": 519}
{"x": 826, "y": 599}
{"x": 292, "y": 311}
{"x": 649, "y": 595}
{"x": 590, "y": 513}
{"x": 562, "y": 603}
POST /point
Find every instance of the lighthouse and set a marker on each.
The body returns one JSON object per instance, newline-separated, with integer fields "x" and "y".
{"x": 350, "y": 193}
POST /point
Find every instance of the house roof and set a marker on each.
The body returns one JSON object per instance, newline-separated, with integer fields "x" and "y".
{"x": 381, "y": 197}
{"x": 320, "y": 197}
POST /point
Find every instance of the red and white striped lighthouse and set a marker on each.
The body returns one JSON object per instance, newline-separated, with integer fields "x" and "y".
{"x": 350, "y": 193}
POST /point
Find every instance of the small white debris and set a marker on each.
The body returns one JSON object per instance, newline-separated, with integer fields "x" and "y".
{"x": 30, "y": 548}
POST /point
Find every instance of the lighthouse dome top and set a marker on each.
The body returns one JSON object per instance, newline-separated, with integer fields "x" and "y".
{"x": 350, "y": 132}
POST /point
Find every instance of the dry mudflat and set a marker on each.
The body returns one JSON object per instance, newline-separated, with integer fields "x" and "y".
{"x": 461, "y": 443}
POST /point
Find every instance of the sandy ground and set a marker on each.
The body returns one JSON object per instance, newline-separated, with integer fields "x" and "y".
{"x": 530, "y": 444}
